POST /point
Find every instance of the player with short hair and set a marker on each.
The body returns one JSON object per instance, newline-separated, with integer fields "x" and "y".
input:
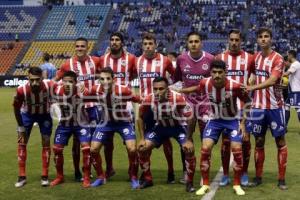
{"x": 149, "y": 66}
{"x": 267, "y": 106}
{"x": 123, "y": 65}
{"x": 240, "y": 65}
{"x": 86, "y": 67}
{"x": 169, "y": 109}
{"x": 49, "y": 70}
{"x": 223, "y": 95}
{"x": 73, "y": 121}
{"x": 113, "y": 98}
{"x": 32, "y": 104}
{"x": 294, "y": 85}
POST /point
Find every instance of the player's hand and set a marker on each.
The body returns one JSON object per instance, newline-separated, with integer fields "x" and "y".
{"x": 142, "y": 145}
{"x": 21, "y": 134}
{"x": 174, "y": 88}
{"x": 243, "y": 130}
{"x": 250, "y": 88}
{"x": 188, "y": 147}
{"x": 81, "y": 88}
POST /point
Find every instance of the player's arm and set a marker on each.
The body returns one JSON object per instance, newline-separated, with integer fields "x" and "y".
{"x": 60, "y": 72}
{"x": 178, "y": 73}
{"x": 272, "y": 80}
{"x": 141, "y": 127}
{"x": 18, "y": 101}
{"x": 44, "y": 73}
{"x": 243, "y": 95}
{"x": 133, "y": 72}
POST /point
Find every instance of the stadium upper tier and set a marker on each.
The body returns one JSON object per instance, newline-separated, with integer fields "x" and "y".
{"x": 71, "y": 22}
{"x": 8, "y": 54}
{"x": 58, "y": 51}
{"x": 19, "y": 20}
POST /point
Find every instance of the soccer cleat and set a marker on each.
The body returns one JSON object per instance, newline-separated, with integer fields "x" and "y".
{"x": 244, "y": 179}
{"x": 204, "y": 189}
{"x": 189, "y": 187}
{"x": 281, "y": 185}
{"x": 145, "y": 184}
{"x": 171, "y": 178}
{"x": 21, "y": 181}
{"x": 224, "y": 181}
{"x": 78, "y": 177}
{"x": 44, "y": 181}
{"x": 57, "y": 181}
{"x": 135, "y": 184}
{"x": 183, "y": 178}
{"x": 238, "y": 190}
{"x": 98, "y": 182}
{"x": 86, "y": 183}
{"x": 110, "y": 173}
{"x": 256, "y": 182}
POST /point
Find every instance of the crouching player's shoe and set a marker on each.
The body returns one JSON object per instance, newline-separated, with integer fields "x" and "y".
{"x": 21, "y": 181}
{"x": 98, "y": 182}
{"x": 135, "y": 184}
{"x": 238, "y": 190}
{"x": 45, "y": 181}
{"x": 224, "y": 181}
{"x": 58, "y": 180}
{"x": 204, "y": 189}
{"x": 189, "y": 187}
{"x": 86, "y": 183}
{"x": 110, "y": 173}
{"x": 281, "y": 185}
{"x": 145, "y": 184}
{"x": 245, "y": 179}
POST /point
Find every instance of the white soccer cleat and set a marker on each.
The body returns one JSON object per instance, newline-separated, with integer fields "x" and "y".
{"x": 204, "y": 189}
{"x": 20, "y": 183}
{"x": 238, "y": 190}
{"x": 45, "y": 182}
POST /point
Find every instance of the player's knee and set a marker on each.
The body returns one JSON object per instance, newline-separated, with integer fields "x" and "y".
{"x": 259, "y": 142}
{"x": 46, "y": 141}
{"x": 58, "y": 149}
{"x": 280, "y": 141}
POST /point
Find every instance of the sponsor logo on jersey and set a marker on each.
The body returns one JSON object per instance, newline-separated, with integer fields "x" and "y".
{"x": 149, "y": 74}
{"x": 194, "y": 77}
{"x": 205, "y": 66}
{"x": 235, "y": 73}
{"x": 119, "y": 74}
{"x": 261, "y": 73}
{"x": 85, "y": 77}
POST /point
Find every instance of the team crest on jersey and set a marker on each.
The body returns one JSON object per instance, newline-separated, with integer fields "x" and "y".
{"x": 243, "y": 62}
{"x": 187, "y": 68}
{"x": 157, "y": 63}
{"x": 91, "y": 64}
{"x": 123, "y": 63}
{"x": 268, "y": 62}
{"x": 205, "y": 66}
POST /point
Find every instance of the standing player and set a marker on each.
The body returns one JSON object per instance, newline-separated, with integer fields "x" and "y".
{"x": 294, "y": 85}
{"x": 223, "y": 96}
{"x": 123, "y": 66}
{"x": 86, "y": 68}
{"x": 192, "y": 66}
{"x": 169, "y": 108}
{"x": 240, "y": 65}
{"x": 267, "y": 106}
{"x": 49, "y": 70}
{"x": 73, "y": 120}
{"x": 31, "y": 104}
{"x": 113, "y": 98}
{"x": 149, "y": 66}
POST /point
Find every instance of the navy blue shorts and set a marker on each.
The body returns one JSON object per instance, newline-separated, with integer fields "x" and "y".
{"x": 63, "y": 134}
{"x": 44, "y": 121}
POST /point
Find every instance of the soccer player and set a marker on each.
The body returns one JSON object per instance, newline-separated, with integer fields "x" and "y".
{"x": 49, "y": 70}
{"x": 123, "y": 65}
{"x": 86, "y": 67}
{"x": 192, "y": 66}
{"x": 73, "y": 120}
{"x": 223, "y": 95}
{"x": 32, "y": 104}
{"x": 149, "y": 66}
{"x": 240, "y": 65}
{"x": 113, "y": 98}
{"x": 267, "y": 106}
{"x": 169, "y": 109}
{"x": 294, "y": 85}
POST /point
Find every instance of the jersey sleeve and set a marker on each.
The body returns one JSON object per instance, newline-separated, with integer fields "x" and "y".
{"x": 277, "y": 67}
{"x": 131, "y": 97}
{"x": 294, "y": 67}
{"x": 145, "y": 107}
{"x": 251, "y": 64}
{"x": 169, "y": 67}
{"x": 132, "y": 66}
{"x": 61, "y": 71}
{"x": 201, "y": 86}
{"x": 18, "y": 98}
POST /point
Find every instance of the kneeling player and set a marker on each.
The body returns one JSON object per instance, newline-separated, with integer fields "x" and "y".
{"x": 168, "y": 108}
{"x": 73, "y": 120}
{"x": 113, "y": 99}
{"x": 223, "y": 94}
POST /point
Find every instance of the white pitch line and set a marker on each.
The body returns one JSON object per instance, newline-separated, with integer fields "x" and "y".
{"x": 214, "y": 186}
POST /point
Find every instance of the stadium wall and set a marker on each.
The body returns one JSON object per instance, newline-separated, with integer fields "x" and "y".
{"x": 12, "y": 81}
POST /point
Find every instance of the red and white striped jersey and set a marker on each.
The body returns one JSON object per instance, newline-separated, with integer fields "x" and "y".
{"x": 71, "y": 107}
{"x": 265, "y": 67}
{"x": 148, "y": 69}
{"x": 172, "y": 112}
{"x": 114, "y": 103}
{"x": 239, "y": 67}
{"x": 123, "y": 67}
{"x": 223, "y": 101}
{"x": 32, "y": 103}
{"x": 86, "y": 71}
